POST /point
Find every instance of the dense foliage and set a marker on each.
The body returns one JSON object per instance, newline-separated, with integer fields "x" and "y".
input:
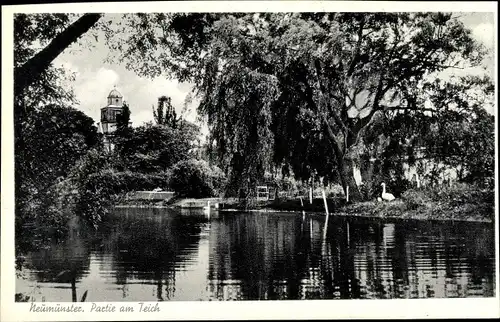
{"x": 49, "y": 135}
{"x": 446, "y": 137}
{"x": 54, "y": 139}
{"x": 264, "y": 79}
{"x": 196, "y": 179}
{"x": 152, "y": 148}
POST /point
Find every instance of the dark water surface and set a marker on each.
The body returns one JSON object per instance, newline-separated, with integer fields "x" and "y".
{"x": 161, "y": 254}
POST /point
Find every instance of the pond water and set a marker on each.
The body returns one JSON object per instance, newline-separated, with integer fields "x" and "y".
{"x": 164, "y": 254}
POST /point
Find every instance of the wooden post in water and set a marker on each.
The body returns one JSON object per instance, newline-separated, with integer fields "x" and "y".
{"x": 303, "y": 212}
{"x": 311, "y": 231}
{"x": 324, "y": 200}
{"x": 348, "y": 235}
{"x": 327, "y": 213}
{"x": 347, "y": 193}
{"x": 311, "y": 190}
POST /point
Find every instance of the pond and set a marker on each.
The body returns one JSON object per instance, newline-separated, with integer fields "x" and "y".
{"x": 163, "y": 254}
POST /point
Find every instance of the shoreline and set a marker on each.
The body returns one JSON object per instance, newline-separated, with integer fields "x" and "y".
{"x": 372, "y": 210}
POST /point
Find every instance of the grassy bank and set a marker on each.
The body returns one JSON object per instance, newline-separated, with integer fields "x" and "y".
{"x": 397, "y": 209}
{"x": 431, "y": 211}
{"x": 458, "y": 203}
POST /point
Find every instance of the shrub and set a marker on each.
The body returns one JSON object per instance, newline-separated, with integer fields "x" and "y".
{"x": 131, "y": 181}
{"x": 461, "y": 193}
{"x": 286, "y": 186}
{"x": 99, "y": 189}
{"x": 97, "y": 193}
{"x": 454, "y": 196}
{"x": 218, "y": 179}
{"x": 415, "y": 198}
{"x": 334, "y": 191}
{"x": 139, "y": 162}
{"x": 369, "y": 191}
{"x": 195, "y": 178}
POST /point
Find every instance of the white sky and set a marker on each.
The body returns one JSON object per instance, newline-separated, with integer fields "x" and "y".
{"x": 95, "y": 78}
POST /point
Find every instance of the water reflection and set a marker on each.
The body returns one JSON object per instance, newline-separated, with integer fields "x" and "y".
{"x": 159, "y": 254}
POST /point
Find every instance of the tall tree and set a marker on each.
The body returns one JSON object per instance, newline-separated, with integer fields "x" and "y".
{"x": 342, "y": 68}
{"x": 165, "y": 114}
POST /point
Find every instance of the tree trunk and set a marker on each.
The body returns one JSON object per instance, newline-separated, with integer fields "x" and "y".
{"x": 345, "y": 169}
{"x": 367, "y": 174}
{"x": 344, "y": 166}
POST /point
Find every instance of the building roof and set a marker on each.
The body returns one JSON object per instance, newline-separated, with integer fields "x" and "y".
{"x": 117, "y": 107}
{"x": 114, "y": 94}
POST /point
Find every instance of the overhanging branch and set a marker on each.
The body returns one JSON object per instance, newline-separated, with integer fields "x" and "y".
{"x": 355, "y": 57}
{"x": 27, "y": 73}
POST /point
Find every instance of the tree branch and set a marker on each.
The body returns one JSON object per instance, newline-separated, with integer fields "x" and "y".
{"x": 335, "y": 145}
{"x": 355, "y": 56}
{"x": 331, "y": 135}
{"x": 324, "y": 90}
{"x": 339, "y": 121}
{"x": 376, "y": 107}
{"x": 29, "y": 71}
{"x": 406, "y": 108}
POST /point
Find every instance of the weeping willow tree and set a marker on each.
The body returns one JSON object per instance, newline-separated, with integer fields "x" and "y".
{"x": 297, "y": 89}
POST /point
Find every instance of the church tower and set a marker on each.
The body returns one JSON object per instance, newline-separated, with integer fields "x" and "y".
{"x": 109, "y": 114}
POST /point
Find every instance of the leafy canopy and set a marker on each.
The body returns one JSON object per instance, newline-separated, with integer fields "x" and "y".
{"x": 263, "y": 76}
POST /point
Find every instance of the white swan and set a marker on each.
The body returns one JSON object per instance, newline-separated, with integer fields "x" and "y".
{"x": 207, "y": 207}
{"x": 385, "y": 195}
{"x": 206, "y": 210}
